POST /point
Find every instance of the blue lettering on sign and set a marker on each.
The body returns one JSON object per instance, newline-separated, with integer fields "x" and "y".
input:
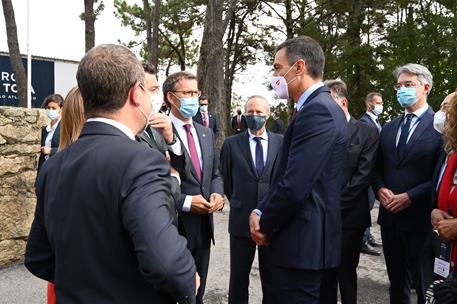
{"x": 42, "y": 81}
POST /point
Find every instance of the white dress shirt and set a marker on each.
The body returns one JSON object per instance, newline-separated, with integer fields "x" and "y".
{"x": 414, "y": 122}
{"x": 253, "y": 145}
{"x": 179, "y": 126}
{"x": 50, "y": 130}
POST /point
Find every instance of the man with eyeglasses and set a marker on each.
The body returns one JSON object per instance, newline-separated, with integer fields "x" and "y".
{"x": 408, "y": 153}
{"x": 201, "y": 182}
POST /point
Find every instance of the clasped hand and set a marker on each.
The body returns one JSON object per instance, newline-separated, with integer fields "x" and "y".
{"x": 393, "y": 202}
{"x": 444, "y": 224}
{"x": 200, "y": 205}
{"x": 261, "y": 239}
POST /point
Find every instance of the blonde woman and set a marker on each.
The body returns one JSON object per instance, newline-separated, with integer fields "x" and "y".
{"x": 72, "y": 118}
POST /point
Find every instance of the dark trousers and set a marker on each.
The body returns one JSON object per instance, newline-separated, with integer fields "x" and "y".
{"x": 409, "y": 261}
{"x": 371, "y": 201}
{"x": 242, "y": 252}
{"x": 296, "y": 286}
{"x": 201, "y": 252}
{"x": 346, "y": 274}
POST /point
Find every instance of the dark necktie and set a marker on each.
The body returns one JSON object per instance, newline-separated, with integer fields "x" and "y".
{"x": 378, "y": 125}
{"x": 294, "y": 113}
{"x": 259, "y": 165}
{"x": 193, "y": 151}
{"x": 404, "y": 134}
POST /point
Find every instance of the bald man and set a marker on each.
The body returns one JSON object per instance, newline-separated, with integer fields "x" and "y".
{"x": 246, "y": 162}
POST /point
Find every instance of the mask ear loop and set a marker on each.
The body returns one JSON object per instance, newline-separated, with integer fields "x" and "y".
{"x": 284, "y": 76}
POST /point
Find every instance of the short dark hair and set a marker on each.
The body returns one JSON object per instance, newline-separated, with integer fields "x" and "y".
{"x": 57, "y": 98}
{"x": 149, "y": 68}
{"x": 203, "y": 97}
{"x": 338, "y": 87}
{"x": 171, "y": 81}
{"x": 105, "y": 76}
{"x": 309, "y": 50}
{"x": 371, "y": 95}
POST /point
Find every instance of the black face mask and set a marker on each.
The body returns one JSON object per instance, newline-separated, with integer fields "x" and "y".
{"x": 239, "y": 112}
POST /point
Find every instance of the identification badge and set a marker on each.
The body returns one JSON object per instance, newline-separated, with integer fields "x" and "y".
{"x": 442, "y": 264}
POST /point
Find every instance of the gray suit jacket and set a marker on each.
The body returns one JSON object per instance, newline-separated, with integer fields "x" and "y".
{"x": 242, "y": 186}
{"x": 190, "y": 184}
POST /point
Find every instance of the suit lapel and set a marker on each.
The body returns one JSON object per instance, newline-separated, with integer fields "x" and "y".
{"x": 273, "y": 147}
{"x": 351, "y": 129}
{"x": 392, "y": 138}
{"x": 243, "y": 143}
{"x": 423, "y": 125}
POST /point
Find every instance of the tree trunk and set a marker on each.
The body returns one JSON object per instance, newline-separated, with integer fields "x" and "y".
{"x": 211, "y": 62}
{"x": 155, "y": 34}
{"x": 15, "y": 55}
{"x": 89, "y": 23}
{"x": 148, "y": 20}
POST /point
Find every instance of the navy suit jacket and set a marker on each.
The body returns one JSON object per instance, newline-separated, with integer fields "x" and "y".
{"x": 212, "y": 121}
{"x": 367, "y": 119}
{"x": 190, "y": 184}
{"x": 301, "y": 212}
{"x": 411, "y": 174}
{"x": 54, "y": 144}
{"x": 105, "y": 226}
{"x": 242, "y": 186}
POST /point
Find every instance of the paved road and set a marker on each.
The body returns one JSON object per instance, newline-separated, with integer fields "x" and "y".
{"x": 17, "y": 286}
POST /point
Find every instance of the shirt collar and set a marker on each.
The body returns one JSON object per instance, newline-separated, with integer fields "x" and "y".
{"x": 348, "y": 117}
{"x": 123, "y": 128}
{"x": 420, "y": 111}
{"x": 307, "y": 93}
{"x": 53, "y": 128}
{"x": 263, "y": 136}
{"x": 372, "y": 116}
{"x": 178, "y": 123}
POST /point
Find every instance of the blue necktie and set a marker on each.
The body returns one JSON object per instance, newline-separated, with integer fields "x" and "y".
{"x": 404, "y": 135}
{"x": 259, "y": 165}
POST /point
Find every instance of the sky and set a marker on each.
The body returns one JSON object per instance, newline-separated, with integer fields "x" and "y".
{"x": 56, "y": 31}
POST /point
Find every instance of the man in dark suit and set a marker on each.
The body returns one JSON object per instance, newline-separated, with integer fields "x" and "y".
{"x": 300, "y": 216}
{"x": 105, "y": 227}
{"x": 355, "y": 213}
{"x": 238, "y": 122}
{"x": 409, "y": 150}
{"x": 50, "y": 134}
{"x": 246, "y": 162}
{"x": 374, "y": 105}
{"x": 201, "y": 183}
{"x": 206, "y": 118}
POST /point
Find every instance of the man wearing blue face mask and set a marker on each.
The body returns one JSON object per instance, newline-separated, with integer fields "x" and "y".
{"x": 409, "y": 150}
{"x": 246, "y": 163}
{"x": 201, "y": 183}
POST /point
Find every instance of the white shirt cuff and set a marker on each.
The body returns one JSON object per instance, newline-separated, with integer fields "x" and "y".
{"x": 177, "y": 177}
{"x": 187, "y": 203}
{"x": 176, "y": 148}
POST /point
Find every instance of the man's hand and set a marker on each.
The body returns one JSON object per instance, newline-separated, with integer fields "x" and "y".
{"x": 385, "y": 195}
{"x": 174, "y": 171}
{"x": 398, "y": 203}
{"x": 199, "y": 205}
{"x": 438, "y": 215}
{"x": 447, "y": 229}
{"x": 217, "y": 201}
{"x": 258, "y": 237}
{"x": 162, "y": 123}
{"x": 197, "y": 282}
{"x": 46, "y": 150}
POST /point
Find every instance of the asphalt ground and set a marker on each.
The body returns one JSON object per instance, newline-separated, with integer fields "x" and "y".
{"x": 18, "y": 286}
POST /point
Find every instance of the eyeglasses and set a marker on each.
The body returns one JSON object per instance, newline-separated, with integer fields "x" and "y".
{"x": 189, "y": 93}
{"x": 408, "y": 84}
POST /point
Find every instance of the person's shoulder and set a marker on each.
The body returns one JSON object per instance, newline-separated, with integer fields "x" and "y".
{"x": 275, "y": 136}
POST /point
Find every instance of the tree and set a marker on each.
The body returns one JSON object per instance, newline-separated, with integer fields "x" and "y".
{"x": 89, "y": 16}
{"x": 14, "y": 53}
{"x": 211, "y": 62}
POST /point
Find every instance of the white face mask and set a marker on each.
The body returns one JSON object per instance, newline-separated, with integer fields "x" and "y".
{"x": 439, "y": 119}
{"x": 377, "y": 109}
{"x": 150, "y": 112}
{"x": 156, "y": 103}
{"x": 280, "y": 85}
{"x": 52, "y": 114}
{"x": 204, "y": 108}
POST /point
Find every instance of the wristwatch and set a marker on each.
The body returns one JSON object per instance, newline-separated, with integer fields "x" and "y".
{"x": 171, "y": 143}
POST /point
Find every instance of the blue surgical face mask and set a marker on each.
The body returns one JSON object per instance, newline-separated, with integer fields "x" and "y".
{"x": 406, "y": 97}
{"x": 52, "y": 114}
{"x": 255, "y": 122}
{"x": 189, "y": 106}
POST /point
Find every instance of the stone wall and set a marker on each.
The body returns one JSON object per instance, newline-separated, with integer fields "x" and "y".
{"x": 19, "y": 149}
